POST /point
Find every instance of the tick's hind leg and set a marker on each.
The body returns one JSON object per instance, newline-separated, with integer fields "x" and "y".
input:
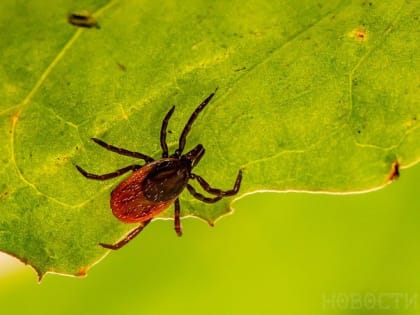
{"x": 218, "y": 192}
{"x": 177, "y": 219}
{"x": 128, "y": 238}
{"x": 117, "y": 173}
{"x": 201, "y": 197}
{"x": 122, "y": 151}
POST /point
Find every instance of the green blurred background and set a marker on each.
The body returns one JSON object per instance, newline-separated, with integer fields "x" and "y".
{"x": 286, "y": 253}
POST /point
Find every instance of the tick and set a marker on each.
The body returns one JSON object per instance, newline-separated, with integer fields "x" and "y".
{"x": 157, "y": 184}
{"x": 82, "y": 20}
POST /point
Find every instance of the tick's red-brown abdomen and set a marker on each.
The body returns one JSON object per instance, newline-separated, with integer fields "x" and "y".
{"x": 128, "y": 202}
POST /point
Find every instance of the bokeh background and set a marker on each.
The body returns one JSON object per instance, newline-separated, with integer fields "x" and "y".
{"x": 284, "y": 253}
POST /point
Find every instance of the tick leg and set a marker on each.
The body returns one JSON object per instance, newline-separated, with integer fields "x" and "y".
{"x": 201, "y": 197}
{"x": 218, "y": 192}
{"x": 122, "y": 151}
{"x": 128, "y": 238}
{"x": 165, "y": 121}
{"x": 109, "y": 175}
{"x": 183, "y": 138}
{"x": 177, "y": 221}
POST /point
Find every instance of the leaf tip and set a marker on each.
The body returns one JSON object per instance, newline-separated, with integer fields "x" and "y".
{"x": 395, "y": 171}
{"x": 82, "y": 272}
{"x": 40, "y": 275}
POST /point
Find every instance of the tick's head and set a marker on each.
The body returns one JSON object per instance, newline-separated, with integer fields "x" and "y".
{"x": 195, "y": 155}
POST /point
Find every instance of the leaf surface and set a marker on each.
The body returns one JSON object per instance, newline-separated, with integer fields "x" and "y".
{"x": 319, "y": 97}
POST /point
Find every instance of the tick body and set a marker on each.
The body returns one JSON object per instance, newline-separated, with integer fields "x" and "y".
{"x": 149, "y": 190}
{"x": 157, "y": 184}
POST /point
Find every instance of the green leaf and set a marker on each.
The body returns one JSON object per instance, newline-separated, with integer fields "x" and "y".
{"x": 319, "y": 97}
